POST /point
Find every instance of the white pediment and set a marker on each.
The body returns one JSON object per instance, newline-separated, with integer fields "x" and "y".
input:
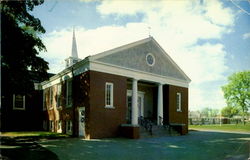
{"x": 146, "y": 56}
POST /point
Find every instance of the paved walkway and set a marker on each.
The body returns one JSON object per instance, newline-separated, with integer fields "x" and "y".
{"x": 197, "y": 145}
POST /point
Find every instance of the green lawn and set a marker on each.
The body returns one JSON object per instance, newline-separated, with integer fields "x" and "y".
{"x": 33, "y": 134}
{"x": 223, "y": 127}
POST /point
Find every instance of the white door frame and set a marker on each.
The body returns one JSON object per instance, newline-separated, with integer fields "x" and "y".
{"x": 141, "y": 95}
{"x": 81, "y": 120}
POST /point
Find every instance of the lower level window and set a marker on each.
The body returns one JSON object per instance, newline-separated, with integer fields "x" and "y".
{"x": 18, "y": 102}
{"x": 109, "y": 95}
{"x": 178, "y": 102}
{"x": 51, "y": 126}
{"x": 45, "y": 125}
{"x": 68, "y": 126}
{"x": 59, "y": 126}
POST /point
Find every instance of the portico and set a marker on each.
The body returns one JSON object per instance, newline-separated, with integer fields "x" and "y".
{"x": 137, "y": 112}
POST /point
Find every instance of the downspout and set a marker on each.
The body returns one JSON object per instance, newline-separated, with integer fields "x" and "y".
{"x": 73, "y": 104}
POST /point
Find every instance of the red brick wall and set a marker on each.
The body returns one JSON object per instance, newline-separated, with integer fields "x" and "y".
{"x": 170, "y": 109}
{"x": 80, "y": 95}
{"x": 105, "y": 122}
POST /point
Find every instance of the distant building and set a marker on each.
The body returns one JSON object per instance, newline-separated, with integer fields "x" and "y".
{"x": 23, "y": 112}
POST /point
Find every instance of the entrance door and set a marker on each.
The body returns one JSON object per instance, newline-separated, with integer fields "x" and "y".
{"x": 140, "y": 102}
{"x": 140, "y": 105}
{"x": 81, "y": 122}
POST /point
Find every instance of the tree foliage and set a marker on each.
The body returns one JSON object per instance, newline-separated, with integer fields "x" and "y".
{"x": 209, "y": 112}
{"x": 21, "y": 45}
{"x": 237, "y": 91}
{"x": 229, "y": 111}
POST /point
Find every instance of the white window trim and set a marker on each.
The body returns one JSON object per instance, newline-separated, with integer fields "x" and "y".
{"x": 58, "y": 97}
{"x": 51, "y": 125}
{"x": 150, "y": 54}
{"x": 139, "y": 94}
{"x": 59, "y": 126}
{"x": 69, "y": 131}
{"x": 111, "y": 95}
{"x": 45, "y": 125}
{"x": 178, "y": 94}
{"x": 14, "y": 103}
{"x": 50, "y": 98}
{"x": 44, "y": 101}
{"x": 67, "y": 93}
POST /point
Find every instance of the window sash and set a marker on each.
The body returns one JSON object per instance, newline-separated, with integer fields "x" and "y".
{"x": 44, "y": 100}
{"x": 69, "y": 93}
{"x": 18, "y": 103}
{"x": 69, "y": 126}
{"x": 51, "y": 97}
{"x": 109, "y": 95}
{"x": 178, "y": 102}
{"x": 58, "y": 97}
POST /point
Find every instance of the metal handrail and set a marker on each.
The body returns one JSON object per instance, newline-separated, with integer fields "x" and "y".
{"x": 147, "y": 124}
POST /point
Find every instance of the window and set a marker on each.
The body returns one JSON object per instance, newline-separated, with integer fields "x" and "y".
{"x": 51, "y": 97}
{"x": 51, "y": 126}
{"x": 150, "y": 59}
{"x": 59, "y": 126}
{"x": 44, "y": 100}
{"x": 68, "y": 126}
{"x": 69, "y": 93}
{"x": 109, "y": 95}
{"x": 18, "y": 102}
{"x": 45, "y": 125}
{"x": 58, "y": 95}
{"x": 178, "y": 102}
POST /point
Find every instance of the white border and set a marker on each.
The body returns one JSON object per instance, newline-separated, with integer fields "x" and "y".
{"x": 14, "y": 102}
{"x": 178, "y": 108}
{"x": 139, "y": 75}
{"x": 150, "y": 54}
{"x": 111, "y": 95}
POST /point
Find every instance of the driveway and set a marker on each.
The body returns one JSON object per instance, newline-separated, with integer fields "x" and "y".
{"x": 196, "y": 145}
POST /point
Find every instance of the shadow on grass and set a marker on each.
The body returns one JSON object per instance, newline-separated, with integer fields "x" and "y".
{"x": 24, "y": 148}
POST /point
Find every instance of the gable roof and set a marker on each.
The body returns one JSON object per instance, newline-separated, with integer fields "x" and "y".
{"x": 133, "y": 56}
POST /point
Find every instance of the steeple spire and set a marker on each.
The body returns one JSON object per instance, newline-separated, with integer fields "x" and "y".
{"x": 74, "y": 53}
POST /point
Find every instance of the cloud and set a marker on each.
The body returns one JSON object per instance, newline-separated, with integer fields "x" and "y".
{"x": 178, "y": 26}
{"x": 246, "y": 35}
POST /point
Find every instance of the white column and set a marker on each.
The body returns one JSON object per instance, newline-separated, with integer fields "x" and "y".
{"x": 160, "y": 105}
{"x": 134, "y": 103}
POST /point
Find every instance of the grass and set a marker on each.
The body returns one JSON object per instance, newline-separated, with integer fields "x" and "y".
{"x": 33, "y": 134}
{"x": 223, "y": 127}
{"x": 24, "y": 145}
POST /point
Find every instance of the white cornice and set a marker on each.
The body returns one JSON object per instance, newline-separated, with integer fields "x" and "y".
{"x": 132, "y": 73}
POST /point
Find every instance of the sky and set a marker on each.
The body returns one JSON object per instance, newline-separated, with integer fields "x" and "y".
{"x": 208, "y": 39}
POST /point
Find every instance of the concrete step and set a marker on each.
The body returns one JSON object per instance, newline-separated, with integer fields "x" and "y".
{"x": 157, "y": 131}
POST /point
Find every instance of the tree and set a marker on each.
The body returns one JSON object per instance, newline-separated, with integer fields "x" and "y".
{"x": 209, "y": 112}
{"x": 21, "y": 45}
{"x": 229, "y": 111}
{"x": 237, "y": 91}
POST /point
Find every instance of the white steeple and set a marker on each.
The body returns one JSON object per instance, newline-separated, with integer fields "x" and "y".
{"x": 74, "y": 55}
{"x": 74, "y": 48}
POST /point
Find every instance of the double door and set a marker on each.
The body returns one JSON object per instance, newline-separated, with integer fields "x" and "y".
{"x": 140, "y": 105}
